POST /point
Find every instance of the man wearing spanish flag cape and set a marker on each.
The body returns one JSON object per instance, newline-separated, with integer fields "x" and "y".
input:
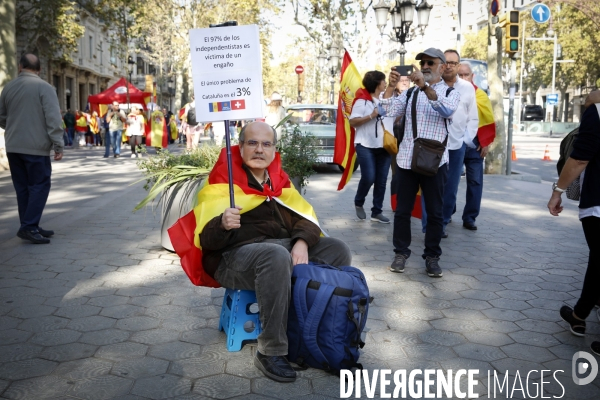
{"x": 255, "y": 245}
{"x": 486, "y": 133}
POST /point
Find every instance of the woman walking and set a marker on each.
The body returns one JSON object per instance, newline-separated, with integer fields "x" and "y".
{"x": 373, "y": 159}
{"x": 135, "y": 130}
{"x": 275, "y": 112}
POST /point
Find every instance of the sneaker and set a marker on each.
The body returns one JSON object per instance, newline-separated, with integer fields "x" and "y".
{"x": 432, "y": 267}
{"x": 117, "y": 155}
{"x": 380, "y": 218}
{"x": 398, "y": 263}
{"x": 133, "y": 155}
{"x": 595, "y": 348}
{"x": 577, "y": 326}
{"x": 360, "y": 213}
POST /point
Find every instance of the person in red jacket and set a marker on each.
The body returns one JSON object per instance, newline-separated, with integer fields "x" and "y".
{"x": 474, "y": 157}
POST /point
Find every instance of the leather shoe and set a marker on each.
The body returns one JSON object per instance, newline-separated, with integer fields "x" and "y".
{"x": 33, "y": 236}
{"x": 469, "y": 226}
{"x": 275, "y": 367}
{"x": 45, "y": 233}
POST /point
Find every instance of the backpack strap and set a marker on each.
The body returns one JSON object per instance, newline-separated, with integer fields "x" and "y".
{"x": 413, "y": 112}
{"x": 314, "y": 316}
{"x": 450, "y": 88}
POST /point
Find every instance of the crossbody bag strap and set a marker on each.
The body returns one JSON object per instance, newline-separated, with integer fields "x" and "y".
{"x": 413, "y": 112}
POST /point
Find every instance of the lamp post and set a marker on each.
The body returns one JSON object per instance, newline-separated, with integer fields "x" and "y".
{"x": 333, "y": 64}
{"x": 171, "y": 86}
{"x": 130, "y": 64}
{"x": 402, "y": 15}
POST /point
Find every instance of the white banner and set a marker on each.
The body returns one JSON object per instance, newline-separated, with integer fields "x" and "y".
{"x": 227, "y": 73}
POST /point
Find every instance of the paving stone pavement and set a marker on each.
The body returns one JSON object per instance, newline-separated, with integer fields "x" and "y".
{"x": 103, "y": 312}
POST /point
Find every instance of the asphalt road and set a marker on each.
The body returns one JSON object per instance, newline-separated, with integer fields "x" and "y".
{"x": 530, "y": 151}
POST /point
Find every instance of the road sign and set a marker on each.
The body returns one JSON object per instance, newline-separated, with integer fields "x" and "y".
{"x": 540, "y": 13}
{"x": 299, "y": 69}
{"x": 494, "y": 7}
{"x": 552, "y": 98}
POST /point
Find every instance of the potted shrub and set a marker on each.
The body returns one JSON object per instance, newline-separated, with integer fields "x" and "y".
{"x": 175, "y": 179}
{"x": 298, "y": 155}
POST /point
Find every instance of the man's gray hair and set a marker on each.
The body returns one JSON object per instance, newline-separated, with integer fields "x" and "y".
{"x": 467, "y": 64}
{"x": 243, "y": 132}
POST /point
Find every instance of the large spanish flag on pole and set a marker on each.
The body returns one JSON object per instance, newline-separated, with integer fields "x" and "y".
{"x": 343, "y": 152}
{"x": 213, "y": 199}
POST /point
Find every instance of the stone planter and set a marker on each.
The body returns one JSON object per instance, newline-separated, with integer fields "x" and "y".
{"x": 175, "y": 203}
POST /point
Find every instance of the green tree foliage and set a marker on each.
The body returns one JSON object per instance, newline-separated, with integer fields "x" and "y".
{"x": 50, "y": 27}
{"x": 475, "y": 46}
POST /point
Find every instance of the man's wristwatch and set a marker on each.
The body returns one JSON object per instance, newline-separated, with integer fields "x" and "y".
{"x": 557, "y": 189}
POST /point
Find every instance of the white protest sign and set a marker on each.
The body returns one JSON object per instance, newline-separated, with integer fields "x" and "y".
{"x": 227, "y": 73}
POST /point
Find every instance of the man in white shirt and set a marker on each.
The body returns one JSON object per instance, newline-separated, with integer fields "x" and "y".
{"x": 462, "y": 129}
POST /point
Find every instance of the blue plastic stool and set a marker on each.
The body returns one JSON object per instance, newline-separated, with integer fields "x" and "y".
{"x": 236, "y": 318}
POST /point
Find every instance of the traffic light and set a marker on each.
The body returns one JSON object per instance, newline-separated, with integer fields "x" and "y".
{"x": 513, "y": 32}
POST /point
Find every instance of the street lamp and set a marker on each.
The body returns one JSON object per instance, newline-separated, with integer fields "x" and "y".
{"x": 130, "y": 64}
{"x": 171, "y": 87}
{"x": 334, "y": 59}
{"x": 402, "y": 15}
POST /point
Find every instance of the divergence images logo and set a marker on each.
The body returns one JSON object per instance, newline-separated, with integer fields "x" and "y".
{"x": 580, "y": 368}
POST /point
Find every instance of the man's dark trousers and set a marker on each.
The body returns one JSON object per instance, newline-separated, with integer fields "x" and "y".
{"x": 474, "y": 173}
{"x": 31, "y": 179}
{"x": 432, "y": 189}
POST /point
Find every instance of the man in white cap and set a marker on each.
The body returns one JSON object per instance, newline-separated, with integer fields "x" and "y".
{"x": 434, "y": 102}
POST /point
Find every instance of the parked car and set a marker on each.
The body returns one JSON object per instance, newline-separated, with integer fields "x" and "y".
{"x": 532, "y": 113}
{"x": 318, "y": 120}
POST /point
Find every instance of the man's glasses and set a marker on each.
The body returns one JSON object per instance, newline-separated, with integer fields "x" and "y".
{"x": 254, "y": 144}
{"x": 428, "y": 62}
{"x": 452, "y": 63}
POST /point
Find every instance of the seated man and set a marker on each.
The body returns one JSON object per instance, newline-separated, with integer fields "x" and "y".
{"x": 255, "y": 245}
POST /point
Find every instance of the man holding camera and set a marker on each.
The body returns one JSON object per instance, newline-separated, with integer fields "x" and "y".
{"x": 433, "y": 102}
{"x": 115, "y": 119}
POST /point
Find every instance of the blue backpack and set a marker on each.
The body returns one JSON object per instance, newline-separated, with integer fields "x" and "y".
{"x": 327, "y": 315}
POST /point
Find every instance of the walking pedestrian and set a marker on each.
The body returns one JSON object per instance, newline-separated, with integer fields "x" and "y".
{"x": 432, "y": 103}
{"x": 95, "y": 129}
{"x": 461, "y": 133}
{"x": 30, "y": 115}
{"x": 486, "y": 133}
{"x": 115, "y": 118}
{"x": 81, "y": 128}
{"x": 135, "y": 130}
{"x": 373, "y": 159}
{"x": 584, "y": 162}
{"x": 275, "y": 112}
{"x": 69, "y": 119}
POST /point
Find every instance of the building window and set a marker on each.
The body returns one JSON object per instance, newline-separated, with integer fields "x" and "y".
{"x": 91, "y": 46}
{"x": 101, "y": 54}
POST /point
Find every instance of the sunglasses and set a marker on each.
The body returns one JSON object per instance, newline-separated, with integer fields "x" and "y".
{"x": 428, "y": 62}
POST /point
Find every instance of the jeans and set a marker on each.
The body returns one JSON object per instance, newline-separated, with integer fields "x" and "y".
{"x": 113, "y": 138}
{"x": 266, "y": 268}
{"x": 474, "y": 175}
{"x": 70, "y": 134}
{"x": 432, "y": 189}
{"x": 374, "y": 169}
{"x": 590, "y": 293}
{"x": 455, "y": 166}
{"x": 31, "y": 178}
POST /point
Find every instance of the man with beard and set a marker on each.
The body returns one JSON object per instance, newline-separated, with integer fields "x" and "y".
{"x": 434, "y": 101}
{"x": 461, "y": 131}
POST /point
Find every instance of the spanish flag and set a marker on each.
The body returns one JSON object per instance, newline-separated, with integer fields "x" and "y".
{"x": 343, "y": 152}
{"x": 487, "y": 126}
{"x": 157, "y": 136}
{"x": 213, "y": 199}
{"x": 182, "y": 111}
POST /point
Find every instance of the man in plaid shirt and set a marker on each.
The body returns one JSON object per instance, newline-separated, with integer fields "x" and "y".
{"x": 435, "y": 104}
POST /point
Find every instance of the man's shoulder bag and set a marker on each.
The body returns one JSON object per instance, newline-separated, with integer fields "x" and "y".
{"x": 427, "y": 153}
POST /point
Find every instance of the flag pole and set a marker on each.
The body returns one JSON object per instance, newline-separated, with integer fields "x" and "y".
{"x": 227, "y": 138}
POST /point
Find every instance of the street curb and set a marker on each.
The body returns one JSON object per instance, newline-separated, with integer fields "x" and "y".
{"x": 518, "y": 176}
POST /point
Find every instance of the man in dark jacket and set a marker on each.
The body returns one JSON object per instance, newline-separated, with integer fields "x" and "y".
{"x": 69, "y": 119}
{"x": 30, "y": 113}
{"x": 257, "y": 250}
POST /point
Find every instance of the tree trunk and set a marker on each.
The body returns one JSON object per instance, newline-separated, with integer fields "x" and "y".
{"x": 8, "y": 59}
{"x": 495, "y": 162}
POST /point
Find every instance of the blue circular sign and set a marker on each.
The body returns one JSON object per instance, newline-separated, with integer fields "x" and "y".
{"x": 540, "y": 13}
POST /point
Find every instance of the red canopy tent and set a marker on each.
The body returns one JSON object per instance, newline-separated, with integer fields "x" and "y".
{"x": 118, "y": 92}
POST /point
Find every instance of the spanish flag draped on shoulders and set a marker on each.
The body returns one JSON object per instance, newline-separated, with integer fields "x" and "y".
{"x": 213, "y": 199}
{"x": 157, "y": 135}
{"x": 351, "y": 90}
{"x": 486, "y": 133}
